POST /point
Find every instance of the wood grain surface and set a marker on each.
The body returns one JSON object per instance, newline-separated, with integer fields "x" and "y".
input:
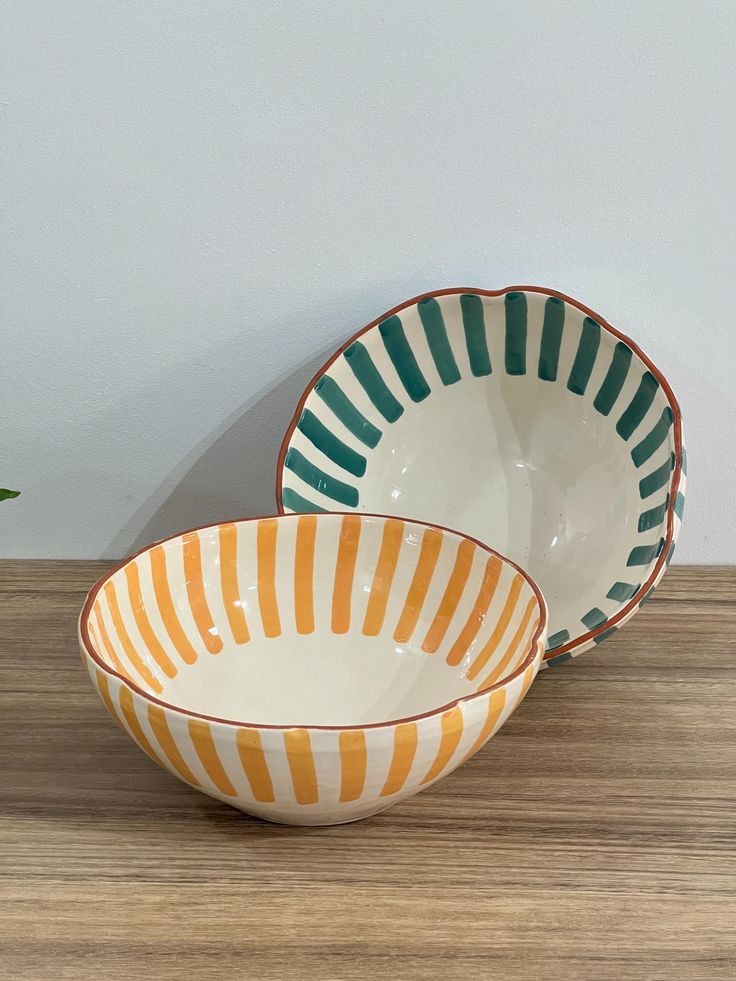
{"x": 593, "y": 838}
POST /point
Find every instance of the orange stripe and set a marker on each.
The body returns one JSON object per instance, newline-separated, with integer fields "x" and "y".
{"x": 513, "y": 647}
{"x": 166, "y": 607}
{"x": 254, "y": 764}
{"x": 143, "y": 623}
{"x": 161, "y": 730}
{"x": 116, "y": 662}
{"x": 499, "y": 630}
{"x": 452, "y": 730}
{"x": 267, "y": 602}
{"x": 94, "y": 639}
{"x": 451, "y": 597}
{"x": 393, "y": 535}
{"x": 204, "y": 746}
{"x": 126, "y": 704}
{"x": 306, "y": 530}
{"x": 195, "y": 591}
{"x": 474, "y": 622}
{"x": 405, "y": 746}
{"x": 428, "y": 555}
{"x": 130, "y": 651}
{"x": 496, "y": 702}
{"x": 104, "y": 687}
{"x": 229, "y": 583}
{"x": 301, "y": 764}
{"x": 347, "y": 552}
{"x": 525, "y": 686}
{"x": 352, "y": 764}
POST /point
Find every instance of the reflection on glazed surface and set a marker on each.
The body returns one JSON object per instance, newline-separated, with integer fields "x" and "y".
{"x": 545, "y": 484}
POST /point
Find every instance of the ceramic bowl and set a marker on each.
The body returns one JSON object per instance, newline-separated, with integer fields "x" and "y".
{"x": 519, "y": 417}
{"x": 313, "y": 669}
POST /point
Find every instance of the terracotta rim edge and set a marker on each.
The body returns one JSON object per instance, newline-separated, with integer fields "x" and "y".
{"x": 631, "y": 605}
{"x": 90, "y": 650}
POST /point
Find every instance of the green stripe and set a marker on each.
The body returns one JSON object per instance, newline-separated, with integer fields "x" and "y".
{"x": 594, "y": 618}
{"x": 549, "y": 349}
{"x": 604, "y": 635}
{"x": 436, "y": 333}
{"x": 515, "y": 354}
{"x": 582, "y": 367}
{"x": 614, "y": 380}
{"x": 644, "y": 554}
{"x": 326, "y": 442}
{"x": 557, "y": 640}
{"x": 475, "y": 334}
{"x": 654, "y": 517}
{"x": 639, "y": 405}
{"x": 653, "y": 440}
{"x": 623, "y": 591}
{"x": 337, "y": 401}
{"x": 373, "y": 384}
{"x": 402, "y": 356}
{"x": 646, "y": 597}
{"x": 680, "y": 505}
{"x": 567, "y": 656}
{"x": 658, "y": 478}
{"x": 295, "y": 502}
{"x": 321, "y": 481}
{"x": 670, "y": 553}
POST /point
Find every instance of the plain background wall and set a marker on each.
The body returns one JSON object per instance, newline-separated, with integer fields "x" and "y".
{"x": 202, "y": 199}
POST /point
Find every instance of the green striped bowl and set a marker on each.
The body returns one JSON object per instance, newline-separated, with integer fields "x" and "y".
{"x": 517, "y": 416}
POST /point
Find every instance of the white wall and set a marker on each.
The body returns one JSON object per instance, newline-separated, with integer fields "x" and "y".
{"x": 201, "y": 199}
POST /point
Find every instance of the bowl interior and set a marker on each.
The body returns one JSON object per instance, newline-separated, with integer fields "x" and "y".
{"x": 314, "y": 620}
{"x": 516, "y": 419}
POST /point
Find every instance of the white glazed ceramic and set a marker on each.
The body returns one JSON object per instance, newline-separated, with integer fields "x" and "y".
{"x": 519, "y": 417}
{"x": 313, "y": 669}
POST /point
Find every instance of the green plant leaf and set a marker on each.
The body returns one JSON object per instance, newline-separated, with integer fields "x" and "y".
{"x": 5, "y": 493}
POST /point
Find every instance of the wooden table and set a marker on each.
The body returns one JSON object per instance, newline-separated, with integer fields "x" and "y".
{"x": 593, "y": 838}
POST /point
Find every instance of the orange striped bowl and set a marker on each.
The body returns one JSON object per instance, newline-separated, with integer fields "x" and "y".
{"x": 315, "y": 668}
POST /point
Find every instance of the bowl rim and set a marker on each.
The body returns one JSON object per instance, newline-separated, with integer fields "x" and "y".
{"x": 631, "y": 605}
{"x": 90, "y": 650}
